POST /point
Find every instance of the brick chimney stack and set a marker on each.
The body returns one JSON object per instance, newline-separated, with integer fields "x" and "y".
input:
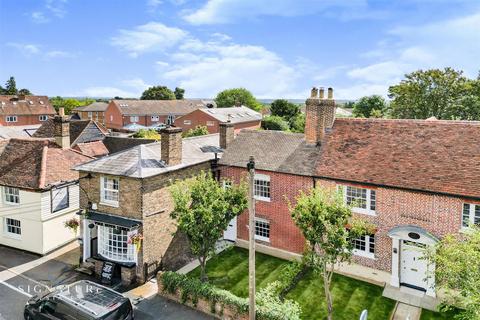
{"x": 171, "y": 145}
{"x": 320, "y": 115}
{"x": 227, "y": 134}
{"x": 62, "y": 129}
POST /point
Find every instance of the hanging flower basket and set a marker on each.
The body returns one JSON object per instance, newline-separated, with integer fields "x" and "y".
{"x": 136, "y": 239}
{"x": 72, "y": 224}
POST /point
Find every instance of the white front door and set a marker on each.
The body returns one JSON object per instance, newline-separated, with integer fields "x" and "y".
{"x": 231, "y": 232}
{"x": 413, "y": 268}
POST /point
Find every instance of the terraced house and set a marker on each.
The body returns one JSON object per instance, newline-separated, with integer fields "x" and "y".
{"x": 125, "y": 197}
{"x": 22, "y": 110}
{"x": 415, "y": 180}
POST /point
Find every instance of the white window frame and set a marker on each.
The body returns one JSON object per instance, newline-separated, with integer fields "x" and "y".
{"x": 134, "y": 119}
{"x": 6, "y": 226}
{"x": 187, "y": 122}
{"x": 170, "y": 119}
{"x": 365, "y": 253}
{"x": 210, "y": 123}
{"x": 256, "y": 187}
{"x": 371, "y": 199}
{"x": 103, "y": 190}
{"x": 471, "y": 216}
{"x": 259, "y": 237}
{"x": 54, "y": 193}
{"x": 43, "y": 117}
{"x": 113, "y": 241}
{"x": 11, "y": 118}
{"x": 90, "y": 115}
{"x": 154, "y": 118}
{"x": 11, "y": 192}
{"x": 226, "y": 184}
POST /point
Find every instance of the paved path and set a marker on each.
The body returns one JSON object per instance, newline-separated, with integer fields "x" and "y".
{"x": 407, "y": 312}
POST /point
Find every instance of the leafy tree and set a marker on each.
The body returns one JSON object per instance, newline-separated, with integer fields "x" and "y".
{"x": 147, "y": 134}
{"x": 203, "y": 210}
{"x": 275, "y": 123}
{"x": 197, "y": 131}
{"x": 285, "y": 109}
{"x": 158, "y": 93}
{"x": 457, "y": 271}
{"x": 11, "y": 86}
{"x": 25, "y": 92}
{"x": 348, "y": 105}
{"x": 297, "y": 123}
{"x": 371, "y": 106}
{"x": 434, "y": 92}
{"x": 230, "y": 97}
{"x": 179, "y": 93}
{"x": 323, "y": 217}
{"x": 68, "y": 104}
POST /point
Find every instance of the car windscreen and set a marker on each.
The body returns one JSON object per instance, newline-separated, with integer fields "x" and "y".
{"x": 121, "y": 312}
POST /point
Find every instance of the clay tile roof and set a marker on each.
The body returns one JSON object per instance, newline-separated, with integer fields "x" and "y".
{"x": 92, "y": 149}
{"x": 31, "y": 105}
{"x": 159, "y": 107}
{"x": 93, "y": 107}
{"x": 438, "y": 156}
{"x": 273, "y": 151}
{"x": 37, "y": 163}
{"x": 80, "y": 131}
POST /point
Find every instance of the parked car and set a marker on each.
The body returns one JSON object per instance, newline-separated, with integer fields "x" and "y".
{"x": 82, "y": 300}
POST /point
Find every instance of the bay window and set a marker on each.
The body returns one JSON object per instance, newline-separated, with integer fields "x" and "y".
{"x": 113, "y": 243}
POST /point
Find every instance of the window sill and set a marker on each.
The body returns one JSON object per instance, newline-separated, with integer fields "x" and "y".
{"x": 364, "y": 211}
{"x": 263, "y": 239}
{"x": 11, "y": 203}
{"x": 262, "y": 199}
{"x": 12, "y": 236}
{"x": 364, "y": 254}
{"x": 109, "y": 204}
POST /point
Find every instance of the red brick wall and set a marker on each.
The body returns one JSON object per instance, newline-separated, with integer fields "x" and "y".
{"x": 113, "y": 117}
{"x": 22, "y": 120}
{"x": 437, "y": 214}
{"x": 283, "y": 232}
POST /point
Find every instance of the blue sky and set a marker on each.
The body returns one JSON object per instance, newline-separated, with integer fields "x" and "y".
{"x": 275, "y": 48}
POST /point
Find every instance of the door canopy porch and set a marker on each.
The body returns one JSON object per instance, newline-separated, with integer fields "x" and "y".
{"x": 413, "y": 233}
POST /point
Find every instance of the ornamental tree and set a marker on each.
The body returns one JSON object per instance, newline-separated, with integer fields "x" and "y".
{"x": 457, "y": 271}
{"x": 323, "y": 218}
{"x": 231, "y": 97}
{"x": 158, "y": 93}
{"x": 284, "y": 108}
{"x": 203, "y": 210}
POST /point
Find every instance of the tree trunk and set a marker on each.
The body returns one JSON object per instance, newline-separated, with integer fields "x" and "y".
{"x": 203, "y": 271}
{"x": 328, "y": 295}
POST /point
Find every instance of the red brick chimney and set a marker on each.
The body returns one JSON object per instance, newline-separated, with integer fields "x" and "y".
{"x": 227, "y": 134}
{"x": 62, "y": 129}
{"x": 320, "y": 115}
{"x": 171, "y": 145}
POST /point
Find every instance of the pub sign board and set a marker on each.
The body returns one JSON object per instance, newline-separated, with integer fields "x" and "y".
{"x": 107, "y": 272}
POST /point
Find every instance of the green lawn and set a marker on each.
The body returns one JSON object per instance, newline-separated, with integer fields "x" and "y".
{"x": 430, "y": 315}
{"x": 229, "y": 270}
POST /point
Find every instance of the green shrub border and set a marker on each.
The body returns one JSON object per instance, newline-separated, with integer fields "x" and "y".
{"x": 192, "y": 289}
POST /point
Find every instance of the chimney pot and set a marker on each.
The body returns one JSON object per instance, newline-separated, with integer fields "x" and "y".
{"x": 62, "y": 130}
{"x": 322, "y": 93}
{"x": 61, "y": 112}
{"x": 227, "y": 134}
{"x": 320, "y": 116}
{"x": 314, "y": 92}
{"x": 171, "y": 145}
{"x": 330, "y": 93}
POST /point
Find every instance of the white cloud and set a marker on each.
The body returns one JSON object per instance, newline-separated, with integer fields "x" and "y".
{"x": 219, "y": 66}
{"x": 25, "y": 48}
{"x": 39, "y": 17}
{"x": 150, "y": 37}
{"x": 106, "y": 92}
{"x": 136, "y": 83}
{"x": 226, "y": 11}
{"x": 453, "y": 43}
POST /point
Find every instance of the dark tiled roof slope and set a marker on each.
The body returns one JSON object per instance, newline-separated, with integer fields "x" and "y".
{"x": 273, "y": 151}
{"x": 159, "y": 107}
{"x": 437, "y": 156}
{"x": 82, "y": 130}
{"x": 116, "y": 144}
{"x": 37, "y": 164}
